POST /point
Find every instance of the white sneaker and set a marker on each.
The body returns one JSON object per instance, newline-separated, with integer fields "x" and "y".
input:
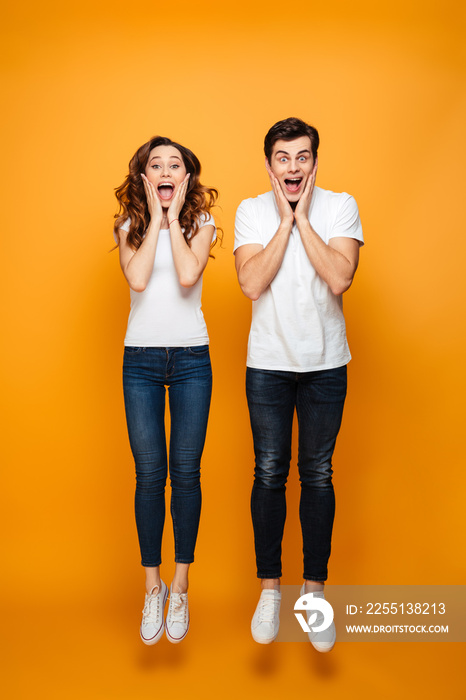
{"x": 325, "y": 640}
{"x": 177, "y": 623}
{"x": 152, "y": 615}
{"x": 266, "y": 619}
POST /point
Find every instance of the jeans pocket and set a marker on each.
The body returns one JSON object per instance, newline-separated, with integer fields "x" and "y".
{"x": 198, "y": 350}
{"x": 132, "y": 350}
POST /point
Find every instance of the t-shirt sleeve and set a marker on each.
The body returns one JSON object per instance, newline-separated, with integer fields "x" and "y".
{"x": 347, "y": 223}
{"x": 124, "y": 226}
{"x": 208, "y": 220}
{"x": 246, "y": 229}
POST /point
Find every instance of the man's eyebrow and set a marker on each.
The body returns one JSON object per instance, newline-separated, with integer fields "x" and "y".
{"x": 305, "y": 150}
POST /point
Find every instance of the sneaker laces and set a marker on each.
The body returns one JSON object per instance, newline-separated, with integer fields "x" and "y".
{"x": 151, "y": 607}
{"x": 178, "y": 607}
{"x": 267, "y": 609}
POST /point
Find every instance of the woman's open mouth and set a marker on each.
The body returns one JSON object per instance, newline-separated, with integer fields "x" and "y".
{"x": 165, "y": 190}
{"x": 293, "y": 184}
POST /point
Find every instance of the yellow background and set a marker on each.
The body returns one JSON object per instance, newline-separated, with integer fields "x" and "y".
{"x": 84, "y": 84}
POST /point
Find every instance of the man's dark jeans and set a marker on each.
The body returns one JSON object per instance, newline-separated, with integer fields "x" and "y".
{"x": 319, "y": 398}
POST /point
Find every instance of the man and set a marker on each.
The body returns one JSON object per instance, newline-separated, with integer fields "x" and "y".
{"x": 296, "y": 250}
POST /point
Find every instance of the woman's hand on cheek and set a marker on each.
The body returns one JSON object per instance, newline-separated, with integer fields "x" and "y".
{"x": 178, "y": 200}
{"x": 153, "y": 202}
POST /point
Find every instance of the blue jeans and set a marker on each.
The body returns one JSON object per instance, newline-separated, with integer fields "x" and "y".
{"x": 319, "y": 398}
{"x": 188, "y": 374}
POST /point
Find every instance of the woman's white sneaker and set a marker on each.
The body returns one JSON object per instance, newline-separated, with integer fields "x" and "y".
{"x": 177, "y": 622}
{"x": 152, "y": 624}
{"x": 266, "y": 620}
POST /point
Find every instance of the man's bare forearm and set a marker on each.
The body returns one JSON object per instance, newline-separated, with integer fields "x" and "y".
{"x": 255, "y": 273}
{"x": 335, "y": 267}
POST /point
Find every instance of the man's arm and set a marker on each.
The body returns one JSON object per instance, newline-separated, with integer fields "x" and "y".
{"x": 256, "y": 266}
{"x": 335, "y": 262}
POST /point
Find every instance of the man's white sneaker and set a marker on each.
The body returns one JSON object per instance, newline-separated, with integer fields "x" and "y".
{"x": 266, "y": 619}
{"x": 325, "y": 640}
{"x": 177, "y": 622}
{"x": 152, "y": 615}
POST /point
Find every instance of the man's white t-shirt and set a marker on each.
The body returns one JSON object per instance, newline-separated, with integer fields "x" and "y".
{"x": 297, "y": 322}
{"x": 166, "y": 314}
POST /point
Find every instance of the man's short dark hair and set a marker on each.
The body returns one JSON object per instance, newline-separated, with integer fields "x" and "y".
{"x": 288, "y": 130}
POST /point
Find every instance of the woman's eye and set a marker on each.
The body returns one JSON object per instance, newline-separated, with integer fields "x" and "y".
{"x": 175, "y": 165}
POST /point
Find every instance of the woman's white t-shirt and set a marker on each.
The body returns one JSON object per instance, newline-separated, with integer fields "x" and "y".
{"x": 166, "y": 314}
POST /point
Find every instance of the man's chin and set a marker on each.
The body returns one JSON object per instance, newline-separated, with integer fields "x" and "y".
{"x": 293, "y": 199}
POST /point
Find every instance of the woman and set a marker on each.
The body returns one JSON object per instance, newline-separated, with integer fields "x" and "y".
{"x": 164, "y": 231}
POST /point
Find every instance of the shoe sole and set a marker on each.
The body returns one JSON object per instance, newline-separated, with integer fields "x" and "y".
{"x": 155, "y": 639}
{"x": 263, "y": 641}
{"x": 174, "y": 640}
{"x": 322, "y": 650}
{"x": 322, "y": 647}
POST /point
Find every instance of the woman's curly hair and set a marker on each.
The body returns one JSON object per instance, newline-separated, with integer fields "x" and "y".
{"x": 132, "y": 198}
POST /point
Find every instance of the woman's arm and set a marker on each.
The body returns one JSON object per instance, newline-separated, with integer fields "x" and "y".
{"x": 190, "y": 261}
{"x": 137, "y": 265}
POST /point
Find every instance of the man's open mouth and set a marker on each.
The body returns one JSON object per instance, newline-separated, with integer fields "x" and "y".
{"x": 293, "y": 184}
{"x": 165, "y": 190}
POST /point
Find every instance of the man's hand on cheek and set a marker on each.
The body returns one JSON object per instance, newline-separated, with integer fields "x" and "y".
{"x": 304, "y": 202}
{"x": 284, "y": 209}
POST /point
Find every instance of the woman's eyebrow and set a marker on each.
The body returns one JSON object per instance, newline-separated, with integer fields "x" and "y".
{"x": 169, "y": 157}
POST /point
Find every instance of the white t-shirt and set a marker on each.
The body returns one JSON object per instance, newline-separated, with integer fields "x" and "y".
{"x": 297, "y": 322}
{"x": 166, "y": 314}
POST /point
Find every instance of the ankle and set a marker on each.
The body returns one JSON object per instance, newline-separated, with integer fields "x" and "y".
{"x": 152, "y": 578}
{"x": 150, "y": 585}
{"x": 179, "y": 586}
{"x": 314, "y": 586}
{"x": 270, "y": 584}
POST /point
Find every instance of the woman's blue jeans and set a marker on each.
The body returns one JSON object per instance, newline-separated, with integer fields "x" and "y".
{"x": 319, "y": 398}
{"x": 187, "y": 373}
